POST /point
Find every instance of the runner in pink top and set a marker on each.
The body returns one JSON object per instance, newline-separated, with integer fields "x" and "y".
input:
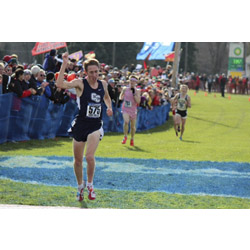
{"x": 131, "y": 97}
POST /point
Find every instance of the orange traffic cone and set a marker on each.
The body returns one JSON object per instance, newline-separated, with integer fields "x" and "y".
{"x": 249, "y": 99}
{"x": 205, "y": 93}
{"x": 194, "y": 93}
{"x": 229, "y": 97}
{"x": 214, "y": 95}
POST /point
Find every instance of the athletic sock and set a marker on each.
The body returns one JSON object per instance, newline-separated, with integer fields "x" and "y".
{"x": 89, "y": 184}
{"x": 80, "y": 186}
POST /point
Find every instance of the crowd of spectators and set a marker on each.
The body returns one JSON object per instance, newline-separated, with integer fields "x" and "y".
{"x": 30, "y": 80}
{"x": 154, "y": 82}
{"x": 214, "y": 83}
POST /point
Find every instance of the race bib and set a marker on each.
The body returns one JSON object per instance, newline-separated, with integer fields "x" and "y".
{"x": 94, "y": 110}
{"x": 128, "y": 104}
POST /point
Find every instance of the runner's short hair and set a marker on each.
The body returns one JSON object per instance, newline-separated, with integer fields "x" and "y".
{"x": 91, "y": 62}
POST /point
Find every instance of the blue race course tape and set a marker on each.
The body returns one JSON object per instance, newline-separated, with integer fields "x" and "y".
{"x": 147, "y": 175}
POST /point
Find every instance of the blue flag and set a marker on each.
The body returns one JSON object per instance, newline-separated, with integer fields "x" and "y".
{"x": 160, "y": 50}
{"x": 146, "y": 49}
{"x": 157, "y": 50}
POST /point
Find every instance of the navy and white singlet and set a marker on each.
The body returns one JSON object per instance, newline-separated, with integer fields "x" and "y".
{"x": 89, "y": 118}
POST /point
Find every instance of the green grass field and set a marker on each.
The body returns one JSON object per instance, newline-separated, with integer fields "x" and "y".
{"x": 217, "y": 129}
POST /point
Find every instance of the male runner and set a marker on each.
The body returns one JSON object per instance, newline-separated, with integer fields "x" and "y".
{"x": 183, "y": 102}
{"x": 131, "y": 97}
{"x": 87, "y": 126}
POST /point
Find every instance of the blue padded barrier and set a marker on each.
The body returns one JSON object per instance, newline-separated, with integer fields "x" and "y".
{"x": 36, "y": 117}
{"x": 5, "y": 108}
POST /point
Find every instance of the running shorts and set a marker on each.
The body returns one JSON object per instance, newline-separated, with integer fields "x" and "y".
{"x": 81, "y": 129}
{"x": 182, "y": 113}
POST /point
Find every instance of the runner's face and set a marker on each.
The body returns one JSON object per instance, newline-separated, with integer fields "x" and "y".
{"x": 93, "y": 73}
{"x": 133, "y": 82}
{"x": 184, "y": 90}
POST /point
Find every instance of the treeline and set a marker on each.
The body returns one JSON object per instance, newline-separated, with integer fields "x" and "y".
{"x": 118, "y": 53}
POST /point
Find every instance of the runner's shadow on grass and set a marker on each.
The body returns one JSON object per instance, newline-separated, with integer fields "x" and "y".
{"x": 213, "y": 122}
{"x": 34, "y": 144}
{"x": 135, "y": 148}
{"x": 188, "y": 141}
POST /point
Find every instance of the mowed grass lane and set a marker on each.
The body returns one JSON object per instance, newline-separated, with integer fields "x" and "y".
{"x": 217, "y": 129}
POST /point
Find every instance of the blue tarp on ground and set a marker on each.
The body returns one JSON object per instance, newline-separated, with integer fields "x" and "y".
{"x": 37, "y": 117}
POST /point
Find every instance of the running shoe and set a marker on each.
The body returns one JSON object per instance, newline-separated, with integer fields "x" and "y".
{"x": 124, "y": 140}
{"x": 91, "y": 193}
{"x": 181, "y": 138}
{"x": 80, "y": 195}
{"x": 131, "y": 142}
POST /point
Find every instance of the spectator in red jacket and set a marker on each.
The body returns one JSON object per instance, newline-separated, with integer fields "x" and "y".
{"x": 197, "y": 83}
{"x": 154, "y": 97}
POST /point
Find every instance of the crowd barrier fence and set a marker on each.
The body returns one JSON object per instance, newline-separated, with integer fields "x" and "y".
{"x": 36, "y": 117}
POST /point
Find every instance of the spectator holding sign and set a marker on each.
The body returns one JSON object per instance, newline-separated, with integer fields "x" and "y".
{"x": 50, "y": 62}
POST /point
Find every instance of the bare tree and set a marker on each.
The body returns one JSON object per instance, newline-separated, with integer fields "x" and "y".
{"x": 219, "y": 54}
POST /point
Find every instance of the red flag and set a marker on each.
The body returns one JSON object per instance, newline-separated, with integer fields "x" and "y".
{"x": 41, "y": 48}
{"x": 170, "y": 57}
{"x": 90, "y": 55}
{"x": 145, "y": 61}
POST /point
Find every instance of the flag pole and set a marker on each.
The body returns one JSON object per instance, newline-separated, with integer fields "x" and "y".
{"x": 176, "y": 64}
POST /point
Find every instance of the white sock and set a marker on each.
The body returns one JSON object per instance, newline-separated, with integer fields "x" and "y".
{"x": 80, "y": 186}
{"x": 89, "y": 184}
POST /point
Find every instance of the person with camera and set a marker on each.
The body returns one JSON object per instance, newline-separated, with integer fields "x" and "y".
{"x": 131, "y": 98}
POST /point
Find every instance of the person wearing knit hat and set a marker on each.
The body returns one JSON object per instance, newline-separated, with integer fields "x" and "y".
{"x": 13, "y": 61}
{"x": 52, "y": 52}
{"x": 49, "y": 63}
{"x": 7, "y": 58}
{"x": 50, "y": 76}
{"x": 14, "y": 56}
{"x": 27, "y": 72}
